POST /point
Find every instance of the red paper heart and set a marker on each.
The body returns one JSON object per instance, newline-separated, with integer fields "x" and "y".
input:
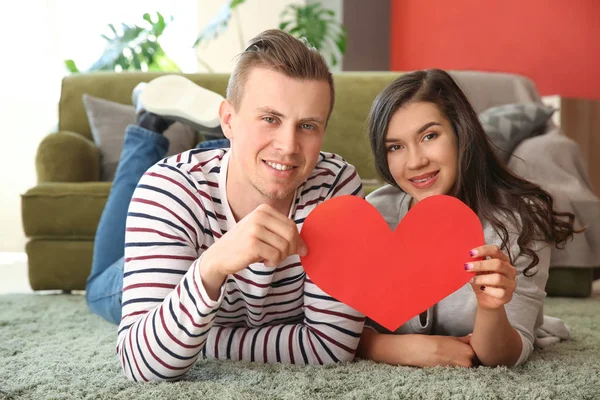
{"x": 390, "y": 276}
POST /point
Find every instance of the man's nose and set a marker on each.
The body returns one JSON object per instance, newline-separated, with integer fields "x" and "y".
{"x": 287, "y": 140}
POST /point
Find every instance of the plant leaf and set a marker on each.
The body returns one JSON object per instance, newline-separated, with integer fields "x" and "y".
{"x": 234, "y": 3}
{"x": 71, "y": 66}
{"x": 318, "y": 26}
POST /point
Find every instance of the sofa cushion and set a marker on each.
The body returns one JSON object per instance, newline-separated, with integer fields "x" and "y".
{"x": 59, "y": 264}
{"x": 108, "y": 121}
{"x": 67, "y": 210}
{"x": 510, "y": 124}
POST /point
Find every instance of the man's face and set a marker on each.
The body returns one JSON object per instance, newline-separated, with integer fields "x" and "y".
{"x": 276, "y": 135}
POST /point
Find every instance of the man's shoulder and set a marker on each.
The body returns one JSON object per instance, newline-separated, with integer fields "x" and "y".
{"x": 195, "y": 168}
{"x": 332, "y": 176}
{"x": 330, "y": 165}
{"x": 195, "y": 161}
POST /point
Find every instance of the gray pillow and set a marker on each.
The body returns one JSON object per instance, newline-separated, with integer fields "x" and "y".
{"x": 510, "y": 124}
{"x": 108, "y": 121}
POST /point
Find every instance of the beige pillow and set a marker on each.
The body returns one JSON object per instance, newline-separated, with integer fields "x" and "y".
{"x": 108, "y": 121}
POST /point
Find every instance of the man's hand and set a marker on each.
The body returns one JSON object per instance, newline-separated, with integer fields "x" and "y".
{"x": 264, "y": 235}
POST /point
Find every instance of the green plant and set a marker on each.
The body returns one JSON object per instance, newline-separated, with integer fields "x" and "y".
{"x": 133, "y": 48}
{"x": 316, "y": 24}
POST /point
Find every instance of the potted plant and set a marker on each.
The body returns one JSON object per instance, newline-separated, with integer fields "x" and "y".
{"x": 133, "y": 47}
{"x": 312, "y": 22}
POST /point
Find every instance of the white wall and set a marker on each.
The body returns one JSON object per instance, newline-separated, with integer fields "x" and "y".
{"x": 27, "y": 106}
{"x": 38, "y": 36}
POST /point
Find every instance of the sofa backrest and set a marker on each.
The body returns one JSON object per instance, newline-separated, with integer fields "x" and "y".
{"x": 490, "y": 89}
{"x": 346, "y": 133}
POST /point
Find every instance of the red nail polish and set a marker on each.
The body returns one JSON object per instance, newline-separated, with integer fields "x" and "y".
{"x": 472, "y": 253}
{"x": 468, "y": 267}
{"x": 482, "y": 288}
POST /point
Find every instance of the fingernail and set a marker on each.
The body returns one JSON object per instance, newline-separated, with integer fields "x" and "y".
{"x": 482, "y": 288}
{"x": 468, "y": 266}
{"x": 302, "y": 250}
{"x": 472, "y": 280}
{"x": 473, "y": 253}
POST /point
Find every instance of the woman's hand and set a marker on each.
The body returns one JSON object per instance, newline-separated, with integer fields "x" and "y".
{"x": 450, "y": 351}
{"x": 494, "y": 280}
{"x": 416, "y": 350}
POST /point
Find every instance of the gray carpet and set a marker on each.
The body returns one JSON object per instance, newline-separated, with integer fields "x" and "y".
{"x": 51, "y": 347}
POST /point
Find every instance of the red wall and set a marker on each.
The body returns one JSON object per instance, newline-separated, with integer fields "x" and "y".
{"x": 554, "y": 42}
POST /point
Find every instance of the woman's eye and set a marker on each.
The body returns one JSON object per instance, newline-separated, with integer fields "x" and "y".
{"x": 430, "y": 136}
{"x": 394, "y": 147}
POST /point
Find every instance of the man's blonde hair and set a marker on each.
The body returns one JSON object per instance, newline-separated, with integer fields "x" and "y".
{"x": 278, "y": 51}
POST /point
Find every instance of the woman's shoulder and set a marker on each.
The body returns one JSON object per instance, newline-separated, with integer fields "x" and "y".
{"x": 391, "y": 202}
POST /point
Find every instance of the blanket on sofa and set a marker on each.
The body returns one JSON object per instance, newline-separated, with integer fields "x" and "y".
{"x": 554, "y": 162}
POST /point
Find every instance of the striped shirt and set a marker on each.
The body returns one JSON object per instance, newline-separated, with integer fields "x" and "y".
{"x": 268, "y": 315}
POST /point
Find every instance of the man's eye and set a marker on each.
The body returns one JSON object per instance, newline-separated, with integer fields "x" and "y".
{"x": 430, "y": 136}
{"x": 270, "y": 120}
{"x": 308, "y": 127}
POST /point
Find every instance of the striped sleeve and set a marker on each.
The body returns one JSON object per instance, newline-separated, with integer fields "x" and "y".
{"x": 330, "y": 330}
{"x": 329, "y": 333}
{"x": 166, "y": 313}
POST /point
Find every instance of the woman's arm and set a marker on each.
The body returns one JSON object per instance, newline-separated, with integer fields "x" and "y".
{"x": 415, "y": 350}
{"x": 494, "y": 339}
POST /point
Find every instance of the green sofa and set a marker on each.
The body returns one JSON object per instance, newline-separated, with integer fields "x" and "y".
{"x": 61, "y": 213}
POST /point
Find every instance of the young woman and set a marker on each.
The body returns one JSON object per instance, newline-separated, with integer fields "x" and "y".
{"x": 427, "y": 140}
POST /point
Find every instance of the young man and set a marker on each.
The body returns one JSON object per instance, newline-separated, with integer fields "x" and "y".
{"x": 211, "y": 263}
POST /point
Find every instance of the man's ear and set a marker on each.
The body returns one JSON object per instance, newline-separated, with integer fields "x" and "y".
{"x": 226, "y": 112}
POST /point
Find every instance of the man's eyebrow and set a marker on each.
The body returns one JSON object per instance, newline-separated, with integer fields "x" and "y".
{"x": 312, "y": 119}
{"x": 421, "y": 130}
{"x": 269, "y": 110}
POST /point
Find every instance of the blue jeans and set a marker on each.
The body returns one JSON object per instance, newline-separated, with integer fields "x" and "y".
{"x": 142, "y": 149}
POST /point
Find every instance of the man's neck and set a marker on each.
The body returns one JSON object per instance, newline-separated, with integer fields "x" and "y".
{"x": 241, "y": 205}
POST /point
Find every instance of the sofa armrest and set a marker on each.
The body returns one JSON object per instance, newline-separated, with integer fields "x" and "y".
{"x": 67, "y": 157}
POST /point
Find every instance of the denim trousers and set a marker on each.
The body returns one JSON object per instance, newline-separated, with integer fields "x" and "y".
{"x": 142, "y": 148}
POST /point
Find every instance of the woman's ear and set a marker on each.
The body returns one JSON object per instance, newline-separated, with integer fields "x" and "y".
{"x": 226, "y": 113}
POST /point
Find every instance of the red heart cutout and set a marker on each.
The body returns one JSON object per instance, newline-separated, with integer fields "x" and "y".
{"x": 390, "y": 276}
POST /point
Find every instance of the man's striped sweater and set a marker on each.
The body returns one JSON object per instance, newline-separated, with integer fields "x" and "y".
{"x": 263, "y": 314}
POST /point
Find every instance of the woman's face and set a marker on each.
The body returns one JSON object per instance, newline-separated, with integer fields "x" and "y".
{"x": 422, "y": 150}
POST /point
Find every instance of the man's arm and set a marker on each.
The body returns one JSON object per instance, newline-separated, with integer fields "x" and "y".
{"x": 166, "y": 313}
{"x": 330, "y": 330}
{"x": 329, "y": 333}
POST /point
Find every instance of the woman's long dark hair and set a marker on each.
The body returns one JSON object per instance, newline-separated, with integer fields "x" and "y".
{"x": 483, "y": 183}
